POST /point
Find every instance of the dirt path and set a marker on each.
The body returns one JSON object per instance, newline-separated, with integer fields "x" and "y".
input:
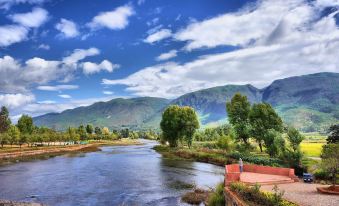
{"x": 305, "y": 194}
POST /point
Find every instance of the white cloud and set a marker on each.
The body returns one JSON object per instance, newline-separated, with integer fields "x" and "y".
{"x": 115, "y": 20}
{"x": 79, "y": 54}
{"x": 46, "y": 102}
{"x": 6, "y": 4}
{"x": 299, "y": 41}
{"x": 105, "y": 65}
{"x": 65, "y": 96}
{"x": 68, "y": 28}
{"x": 20, "y": 77}
{"x": 247, "y": 26}
{"x": 33, "y": 19}
{"x": 57, "y": 87}
{"x": 107, "y": 92}
{"x": 158, "y": 36}
{"x": 44, "y": 47}
{"x": 13, "y": 101}
{"x": 167, "y": 55}
{"x": 10, "y": 34}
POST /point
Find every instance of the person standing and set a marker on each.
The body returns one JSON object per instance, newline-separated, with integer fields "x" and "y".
{"x": 241, "y": 165}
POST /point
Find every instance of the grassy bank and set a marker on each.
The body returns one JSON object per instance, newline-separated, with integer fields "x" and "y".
{"x": 10, "y": 154}
{"x": 213, "y": 156}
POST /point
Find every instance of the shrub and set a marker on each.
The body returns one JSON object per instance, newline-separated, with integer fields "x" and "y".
{"x": 254, "y": 196}
{"x": 255, "y": 159}
{"x": 320, "y": 174}
{"x": 217, "y": 198}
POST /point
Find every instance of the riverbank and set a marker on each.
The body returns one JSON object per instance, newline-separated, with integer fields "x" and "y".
{"x": 17, "y": 154}
{"x": 13, "y": 203}
{"x": 215, "y": 157}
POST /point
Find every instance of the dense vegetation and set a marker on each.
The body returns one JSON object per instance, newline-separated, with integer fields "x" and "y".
{"x": 309, "y": 103}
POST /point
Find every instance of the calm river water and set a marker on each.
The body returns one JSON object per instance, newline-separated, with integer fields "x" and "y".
{"x": 116, "y": 175}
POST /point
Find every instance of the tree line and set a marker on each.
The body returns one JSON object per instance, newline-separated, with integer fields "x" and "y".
{"x": 25, "y": 132}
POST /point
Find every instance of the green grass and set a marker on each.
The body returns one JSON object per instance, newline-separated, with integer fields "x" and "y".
{"x": 311, "y": 149}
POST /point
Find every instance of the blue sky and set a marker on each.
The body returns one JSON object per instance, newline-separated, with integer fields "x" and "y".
{"x": 58, "y": 54}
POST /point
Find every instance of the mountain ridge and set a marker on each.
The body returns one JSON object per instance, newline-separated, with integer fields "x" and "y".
{"x": 308, "y": 102}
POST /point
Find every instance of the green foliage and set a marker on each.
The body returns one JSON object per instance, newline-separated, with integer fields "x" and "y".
{"x": 4, "y": 138}
{"x": 295, "y": 138}
{"x": 330, "y": 160}
{"x": 259, "y": 160}
{"x": 238, "y": 110}
{"x": 89, "y": 129}
{"x": 14, "y": 134}
{"x": 254, "y": 196}
{"x": 274, "y": 143}
{"x": 82, "y": 132}
{"x": 25, "y": 124}
{"x": 262, "y": 119}
{"x": 5, "y": 121}
{"x": 217, "y": 198}
{"x": 225, "y": 142}
{"x": 333, "y": 136}
{"x": 179, "y": 123}
{"x": 98, "y": 131}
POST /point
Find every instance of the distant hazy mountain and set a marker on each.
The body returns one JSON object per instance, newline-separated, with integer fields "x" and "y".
{"x": 309, "y": 102}
{"x": 113, "y": 114}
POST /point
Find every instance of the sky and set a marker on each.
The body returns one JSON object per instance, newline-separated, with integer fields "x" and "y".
{"x": 61, "y": 54}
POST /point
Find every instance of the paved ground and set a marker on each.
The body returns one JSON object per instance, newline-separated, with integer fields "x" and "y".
{"x": 305, "y": 194}
{"x": 250, "y": 177}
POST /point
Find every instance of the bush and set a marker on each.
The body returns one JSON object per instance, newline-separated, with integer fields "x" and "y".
{"x": 320, "y": 174}
{"x": 217, "y": 198}
{"x": 254, "y": 196}
{"x": 255, "y": 159}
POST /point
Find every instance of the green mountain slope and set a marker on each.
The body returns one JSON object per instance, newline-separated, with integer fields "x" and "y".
{"x": 308, "y": 102}
{"x": 116, "y": 113}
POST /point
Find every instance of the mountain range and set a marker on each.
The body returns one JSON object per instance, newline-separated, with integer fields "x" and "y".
{"x": 309, "y": 103}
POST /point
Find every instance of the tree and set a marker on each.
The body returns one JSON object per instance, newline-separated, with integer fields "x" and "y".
{"x": 105, "y": 132}
{"x": 89, "y": 129}
{"x": 25, "y": 124}
{"x": 98, "y": 132}
{"x": 333, "y": 136}
{"x": 14, "y": 134}
{"x": 82, "y": 132}
{"x": 330, "y": 160}
{"x": 295, "y": 138}
{"x": 238, "y": 110}
{"x": 274, "y": 143}
{"x": 4, "y": 138}
{"x": 179, "y": 123}
{"x": 72, "y": 134}
{"x": 262, "y": 118}
{"x": 5, "y": 121}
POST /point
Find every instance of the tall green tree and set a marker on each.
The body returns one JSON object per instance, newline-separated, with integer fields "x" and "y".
{"x": 82, "y": 132}
{"x": 4, "y": 138}
{"x": 89, "y": 129}
{"x": 179, "y": 123}
{"x": 238, "y": 110}
{"x": 330, "y": 160}
{"x": 262, "y": 118}
{"x": 295, "y": 138}
{"x": 25, "y": 124}
{"x": 333, "y": 136}
{"x": 5, "y": 121}
{"x": 14, "y": 134}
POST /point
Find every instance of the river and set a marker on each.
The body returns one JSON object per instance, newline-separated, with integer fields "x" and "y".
{"x": 116, "y": 175}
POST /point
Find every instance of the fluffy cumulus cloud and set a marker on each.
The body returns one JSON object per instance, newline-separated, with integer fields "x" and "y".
{"x": 167, "y": 55}
{"x": 158, "y": 36}
{"x": 287, "y": 38}
{"x": 57, "y": 87}
{"x": 105, "y": 65}
{"x": 13, "y": 101}
{"x": 10, "y": 34}
{"x": 115, "y": 20}
{"x": 20, "y": 77}
{"x": 32, "y": 19}
{"x": 68, "y": 28}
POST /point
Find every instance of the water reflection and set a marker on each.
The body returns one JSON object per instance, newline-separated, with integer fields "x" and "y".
{"x": 130, "y": 175}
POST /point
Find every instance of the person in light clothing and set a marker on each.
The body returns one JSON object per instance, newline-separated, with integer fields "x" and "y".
{"x": 241, "y": 165}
